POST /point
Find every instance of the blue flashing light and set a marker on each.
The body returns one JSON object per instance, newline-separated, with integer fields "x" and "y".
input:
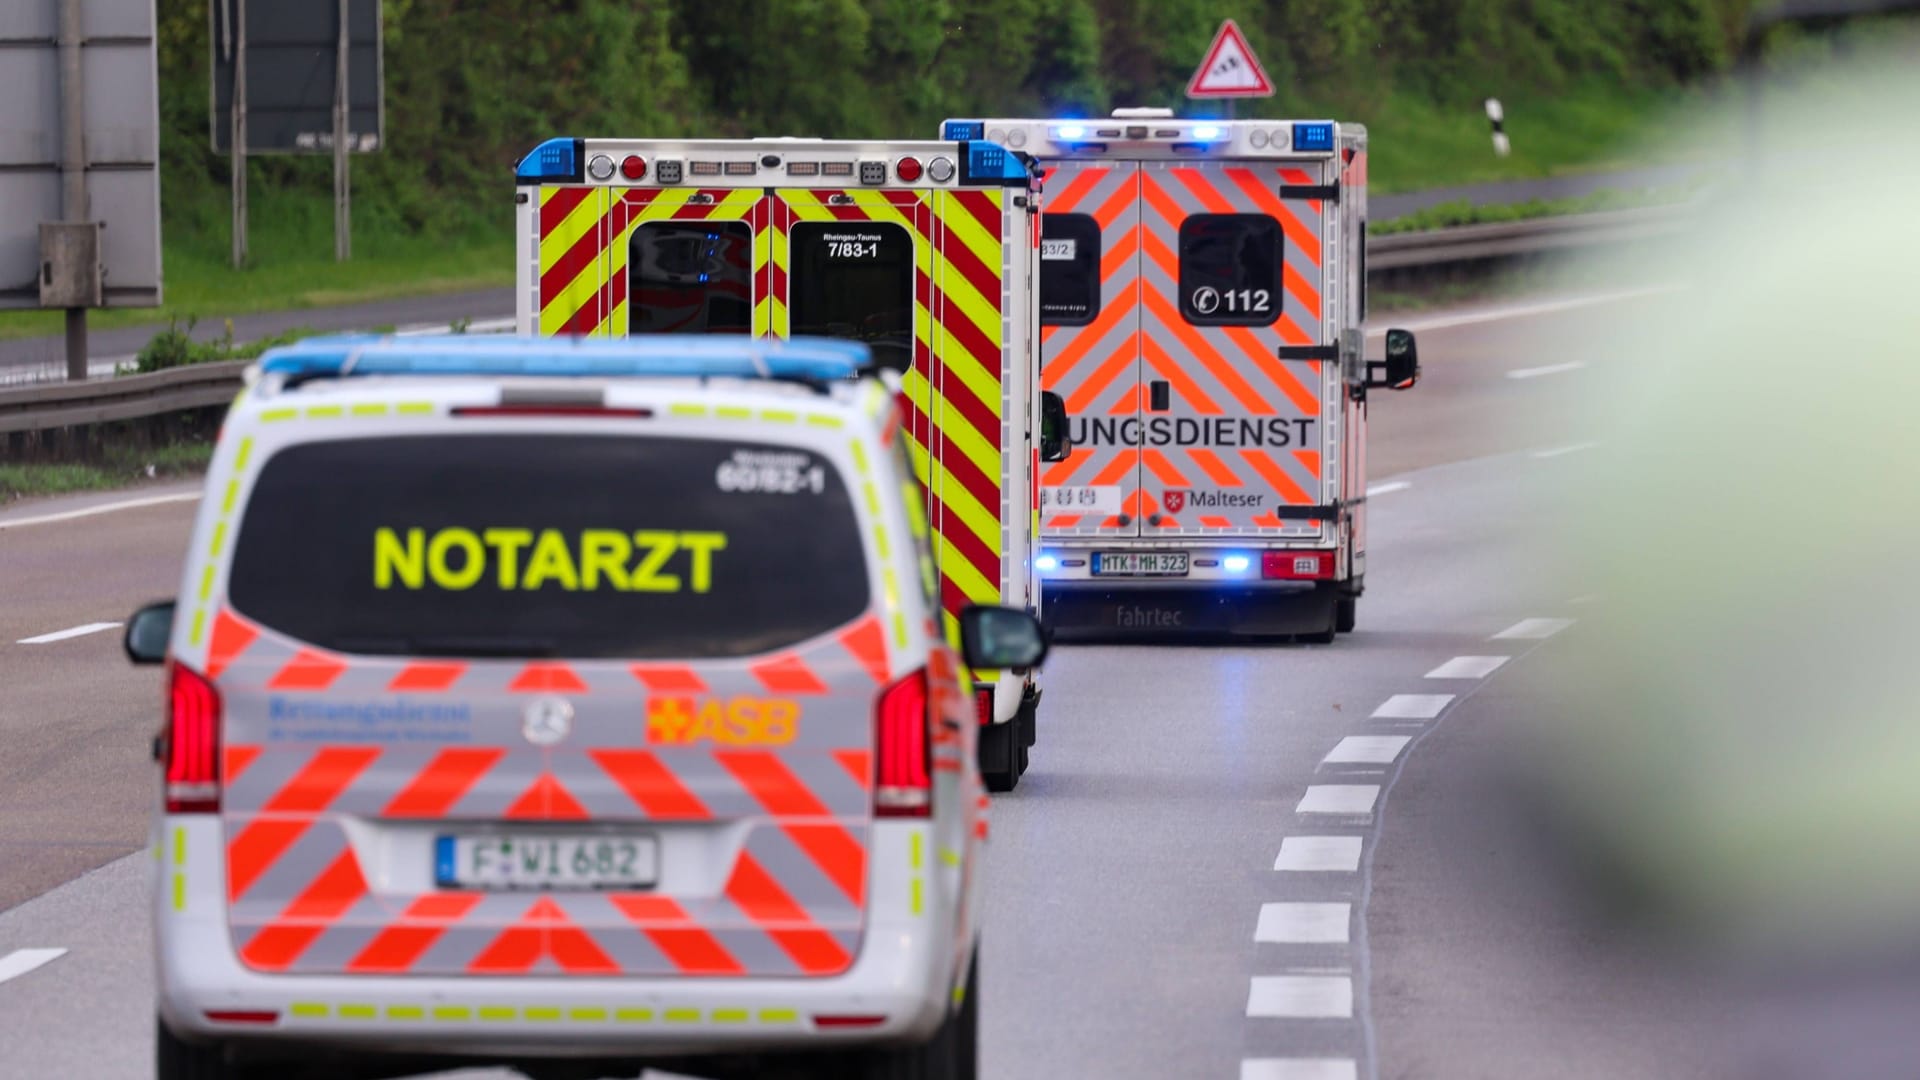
{"x": 1236, "y": 564}
{"x": 1046, "y": 564}
{"x": 963, "y": 130}
{"x": 1073, "y": 132}
{"x": 1207, "y": 132}
{"x": 991, "y": 163}
{"x": 556, "y": 159}
{"x": 664, "y": 355}
{"x": 1313, "y": 138}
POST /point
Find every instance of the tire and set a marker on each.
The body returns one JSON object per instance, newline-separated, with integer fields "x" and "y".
{"x": 1003, "y": 755}
{"x": 1344, "y": 612}
{"x": 1325, "y": 637}
{"x": 952, "y": 1053}
{"x": 176, "y": 1059}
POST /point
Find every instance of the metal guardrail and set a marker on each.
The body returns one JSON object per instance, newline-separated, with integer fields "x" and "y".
{"x": 130, "y": 397}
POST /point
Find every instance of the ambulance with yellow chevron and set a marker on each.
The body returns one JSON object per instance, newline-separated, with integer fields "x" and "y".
{"x": 927, "y": 251}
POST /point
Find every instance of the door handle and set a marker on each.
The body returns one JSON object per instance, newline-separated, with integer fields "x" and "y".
{"x": 1159, "y": 395}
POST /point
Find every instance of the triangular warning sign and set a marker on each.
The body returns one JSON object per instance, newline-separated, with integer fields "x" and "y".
{"x": 1230, "y": 69}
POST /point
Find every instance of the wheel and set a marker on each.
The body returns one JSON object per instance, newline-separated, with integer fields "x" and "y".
{"x": 952, "y": 1053}
{"x": 1344, "y": 611}
{"x": 1003, "y": 755}
{"x": 1325, "y": 637}
{"x": 176, "y": 1059}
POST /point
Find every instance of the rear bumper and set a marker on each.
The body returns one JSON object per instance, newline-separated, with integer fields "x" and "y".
{"x": 904, "y": 972}
{"x": 1149, "y": 609}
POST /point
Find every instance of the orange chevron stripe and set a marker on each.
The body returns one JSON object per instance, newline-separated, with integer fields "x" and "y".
{"x": 1162, "y": 467}
{"x": 1216, "y": 470}
{"x": 1102, "y": 377}
{"x": 448, "y": 777}
{"x": 1069, "y": 197}
{"x": 231, "y": 637}
{"x": 1061, "y": 471}
{"x": 681, "y": 940}
{"x": 1202, "y": 189}
{"x": 1201, "y": 350}
{"x": 1057, "y": 368}
{"x": 399, "y": 946}
{"x": 262, "y": 841}
{"x": 1303, "y": 396}
{"x": 651, "y": 784}
{"x": 832, "y": 848}
{"x": 278, "y": 944}
{"x": 1291, "y": 493}
{"x": 426, "y": 677}
{"x": 757, "y": 894}
{"x": 1170, "y": 369}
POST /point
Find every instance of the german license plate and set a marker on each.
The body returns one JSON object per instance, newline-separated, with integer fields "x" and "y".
{"x": 1141, "y": 563}
{"x": 546, "y": 861}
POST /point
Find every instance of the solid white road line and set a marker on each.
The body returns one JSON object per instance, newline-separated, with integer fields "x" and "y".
{"x": 1319, "y": 853}
{"x": 1549, "y": 369}
{"x": 1413, "y": 707}
{"x": 1301, "y": 997}
{"x": 20, "y": 961}
{"x": 1304, "y": 924}
{"x": 70, "y": 632}
{"x": 1533, "y": 630}
{"x": 1367, "y": 750}
{"x": 1388, "y": 488}
{"x": 1562, "y": 451}
{"x": 1298, "y": 1069}
{"x": 1521, "y": 311}
{"x": 1467, "y": 667}
{"x": 1339, "y": 799}
{"x": 104, "y": 508}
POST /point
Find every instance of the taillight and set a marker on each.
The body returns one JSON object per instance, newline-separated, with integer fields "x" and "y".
{"x": 983, "y": 706}
{"x": 633, "y": 167}
{"x": 193, "y": 743}
{"x": 1296, "y": 565}
{"x": 908, "y": 168}
{"x": 242, "y": 1016}
{"x": 903, "y": 749}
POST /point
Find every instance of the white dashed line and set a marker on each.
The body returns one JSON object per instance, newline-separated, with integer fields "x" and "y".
{"x": 1467, "y": 667}
{"x": 1388, "y": 488}
{"x": 20, "y": 961}
{"x": 1339, "y": 799}
{"x": 1533, "y": 630}
{"x": 1550, "y": 369}
{"x": 1301, "y": 997}
{"x": 1298, "y": 1069}
{"x": 1367, "y": 750}
{"x": 105, "y": 508}
{"x": 1560, "y": 451}
{"x": 1304, "y": 924}
{"x": 1413, "y": 707}
{"x": 1319, "y": 854}
{"x": 70, "y": 632}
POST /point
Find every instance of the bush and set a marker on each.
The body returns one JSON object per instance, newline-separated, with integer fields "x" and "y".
{"x": 175, "y": 347}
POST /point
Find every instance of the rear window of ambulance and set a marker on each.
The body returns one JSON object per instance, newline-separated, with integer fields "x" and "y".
{"x": 549, "y": 546}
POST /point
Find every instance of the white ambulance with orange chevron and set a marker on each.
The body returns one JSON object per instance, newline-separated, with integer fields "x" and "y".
{"x": 925, "y": 251}
{"x": 1202, "y": 299}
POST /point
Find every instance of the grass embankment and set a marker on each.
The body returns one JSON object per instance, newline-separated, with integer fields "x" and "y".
{"x": 118, "y": 467}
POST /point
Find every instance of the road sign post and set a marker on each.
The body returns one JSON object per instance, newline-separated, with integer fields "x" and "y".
{"x": 1230, "y": 70}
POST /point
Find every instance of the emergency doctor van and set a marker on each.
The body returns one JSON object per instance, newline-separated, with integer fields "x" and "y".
{"x": 924, "y": 251}
{"x": 1202, "y": 303}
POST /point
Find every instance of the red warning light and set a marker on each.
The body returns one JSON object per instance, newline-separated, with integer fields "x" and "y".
{"x": 908, "y": 168}
{"x": 633, "y": 168}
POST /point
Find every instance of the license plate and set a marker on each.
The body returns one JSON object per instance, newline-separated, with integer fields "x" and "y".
{"x": 1141, "y": 563}
{"x": 546, "y": 861}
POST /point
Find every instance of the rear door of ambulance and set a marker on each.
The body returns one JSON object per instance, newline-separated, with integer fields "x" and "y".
{"x": 1182, "y": 311}
{"x": 510, "y": 695}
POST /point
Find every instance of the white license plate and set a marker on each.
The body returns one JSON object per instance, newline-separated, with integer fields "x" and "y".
{"x": 1141, "y": 563}
{"x": 546, "y": 861}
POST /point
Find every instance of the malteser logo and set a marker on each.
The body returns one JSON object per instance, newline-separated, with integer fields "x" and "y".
{"x": 1174, "y": 501}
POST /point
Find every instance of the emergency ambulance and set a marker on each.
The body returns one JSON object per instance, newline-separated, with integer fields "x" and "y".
{"x": 924, "y": 251}
{"x": 535, "y": 700}
{"x": 1202, "y": 296}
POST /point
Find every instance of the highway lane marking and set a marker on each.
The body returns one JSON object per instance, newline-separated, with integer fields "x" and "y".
{"x": 20, "y": 961}
{"x": 1301, "y": 997}
{"x": 1303, "y": 924}
{"x": 1522, "y": 311}
{"x": 70, "y": 632}
{"x": 1533, "y": 630}
{"x": 1318, "y": 854}
{"x": 104, "y": 508}
{"x": 1562, "y": 451}
{"x": 1298, "y": 1069}
{"x": 1388, "y": 488}
{"x": 1339, "y": 799}
{"x": 1413, "y": 707}
{"x": 1367, "y": 750}
{"x": 1468, "y": 667}
{"x": 1548, "y": 369}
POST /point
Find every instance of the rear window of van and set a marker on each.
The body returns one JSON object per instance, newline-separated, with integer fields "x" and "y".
{"x": 530, "y": 545}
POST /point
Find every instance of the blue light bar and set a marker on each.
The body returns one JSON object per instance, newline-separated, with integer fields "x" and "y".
{"x": 964, "y": 130}
{"x": 1313, "y": 138}
{"x": 557, "y": 160}
{"x": 1207, "y": 132}
{"x": 991, "y": 163}
{"x": 664, "y": 355}
{"x": 1071, "y": 132}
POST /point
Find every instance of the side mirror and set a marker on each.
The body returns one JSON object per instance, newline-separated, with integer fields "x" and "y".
{"x": 1401, "y": 369}
{"x": 1001, "y": 639}
{"x": 148, "y": 633}
{"x": 1053, "y": 427}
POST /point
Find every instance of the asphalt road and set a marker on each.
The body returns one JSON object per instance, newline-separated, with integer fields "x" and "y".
{"x": 1277, "y": 863}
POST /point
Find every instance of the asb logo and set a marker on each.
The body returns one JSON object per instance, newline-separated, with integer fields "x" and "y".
{"x": 1174, "y": 501}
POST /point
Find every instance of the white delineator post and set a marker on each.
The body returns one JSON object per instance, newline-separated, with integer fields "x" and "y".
{"x": 1497, "y": 117}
